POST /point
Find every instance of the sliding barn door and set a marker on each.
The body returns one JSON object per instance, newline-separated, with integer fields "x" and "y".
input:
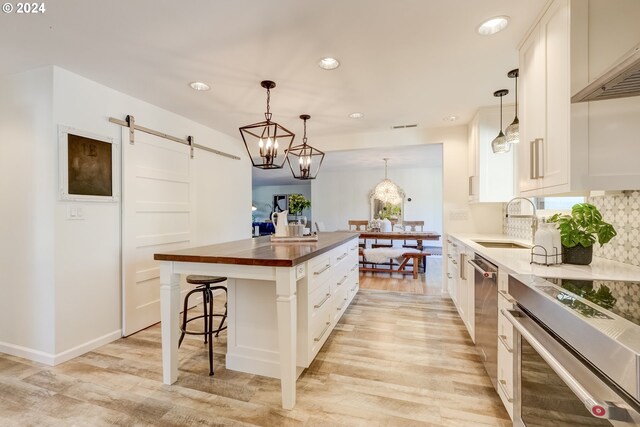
{"x": 157, "y": 215}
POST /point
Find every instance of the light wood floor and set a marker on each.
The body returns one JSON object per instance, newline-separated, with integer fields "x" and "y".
{"x": 393, "y": 360}
{"x": 428, "y": 283}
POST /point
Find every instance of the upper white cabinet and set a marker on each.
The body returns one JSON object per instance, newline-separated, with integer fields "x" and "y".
{"x": 544, "y": 148}
{"x": 490, "y": 174}
{"x": 578, "y": 147}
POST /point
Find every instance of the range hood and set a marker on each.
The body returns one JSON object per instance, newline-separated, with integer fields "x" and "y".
{"x": 620, "y": 81}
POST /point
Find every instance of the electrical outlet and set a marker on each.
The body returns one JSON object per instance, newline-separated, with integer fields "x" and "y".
{"x": 458, "y": 214}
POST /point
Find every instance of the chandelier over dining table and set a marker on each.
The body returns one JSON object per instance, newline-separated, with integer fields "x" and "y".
{"x": 387, "y": 191}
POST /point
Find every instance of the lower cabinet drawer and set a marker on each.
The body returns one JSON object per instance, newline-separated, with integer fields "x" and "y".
{"x": 320, "y": 298}
{"x": 505, "y": 377}
{"x": 318, "y": 271}
{"x": 340, "y": 303}
{"x": 505, "y": 328}
{"x": 320, "y": 329}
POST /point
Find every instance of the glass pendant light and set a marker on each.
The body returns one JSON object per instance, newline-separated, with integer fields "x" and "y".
{"x": 500, "y": 144}
{"x": 304, "y": 160}
{"x": 513, "y": 130}
{"x": 387, "y": 191}
{"x": 263, "y": 139}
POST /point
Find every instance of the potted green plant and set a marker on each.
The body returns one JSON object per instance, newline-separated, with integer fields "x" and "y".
{"x": 580, "y": 230}
{"x": 297, "y": 203}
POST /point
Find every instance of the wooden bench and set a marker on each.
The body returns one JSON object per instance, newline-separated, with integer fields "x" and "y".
{"x": 404, "y": 258}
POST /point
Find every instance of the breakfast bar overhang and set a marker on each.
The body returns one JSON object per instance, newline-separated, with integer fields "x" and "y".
{"x": 295, "y": 292}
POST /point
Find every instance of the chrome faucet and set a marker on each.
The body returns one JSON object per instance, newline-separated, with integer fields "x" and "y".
{"x": 534, "y": 217}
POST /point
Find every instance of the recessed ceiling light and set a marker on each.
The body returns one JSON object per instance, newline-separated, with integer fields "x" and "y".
{"x": 199, "y": 86}
{"x": 493, "y": 25}
{"x": 328, "y": 63}
{"x": 356, "y": 115}
{"x": 450, "y": 118}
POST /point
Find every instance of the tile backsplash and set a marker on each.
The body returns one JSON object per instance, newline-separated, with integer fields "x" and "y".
{"x": 621, "y": 210}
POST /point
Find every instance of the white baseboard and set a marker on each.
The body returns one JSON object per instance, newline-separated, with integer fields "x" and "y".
{"x": 56, "y": 359}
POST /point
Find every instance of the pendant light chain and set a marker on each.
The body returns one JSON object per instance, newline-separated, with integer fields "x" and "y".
{"x": 304, "y": 137}
{"x": 500, "y": 113}
{"x": 499, "y": 144}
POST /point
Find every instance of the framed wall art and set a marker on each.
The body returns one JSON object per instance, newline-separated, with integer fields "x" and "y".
{"x": 280, "y": 202}
{"x": 88, "y": 166}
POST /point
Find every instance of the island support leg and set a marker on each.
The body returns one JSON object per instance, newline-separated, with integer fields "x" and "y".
{"x": 169, "y": 302}
{"x": 287, "y": 329}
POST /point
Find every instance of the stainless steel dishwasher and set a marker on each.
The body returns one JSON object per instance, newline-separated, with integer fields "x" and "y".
{"x": 486, "y": 314}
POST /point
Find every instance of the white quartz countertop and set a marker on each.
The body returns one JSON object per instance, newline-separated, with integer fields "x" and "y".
{"x": 518, "y": 261}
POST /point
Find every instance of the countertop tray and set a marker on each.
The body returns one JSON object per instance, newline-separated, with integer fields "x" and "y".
{"x": 312, "y": 238}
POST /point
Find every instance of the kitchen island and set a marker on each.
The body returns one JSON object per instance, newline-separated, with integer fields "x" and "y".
{"x": 283, "y": 301}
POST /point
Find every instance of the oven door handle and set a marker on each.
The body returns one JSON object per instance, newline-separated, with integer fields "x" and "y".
{"x": 485, "y": 274}
{"x": 597, "y": 408}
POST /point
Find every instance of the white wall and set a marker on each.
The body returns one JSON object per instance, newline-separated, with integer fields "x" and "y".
{"x": 83, "y": 289}
{"x": 339, "y": 196}
{"x": 458, "y": 215}
{"x": 263, "y": 198}
{"x": 27, "y": 191}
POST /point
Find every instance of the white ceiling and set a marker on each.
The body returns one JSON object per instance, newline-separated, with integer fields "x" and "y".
{"x": 403, "y": 61}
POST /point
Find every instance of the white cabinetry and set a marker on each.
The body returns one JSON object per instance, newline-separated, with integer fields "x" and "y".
{"x": 460, "y": 281}
{"x": 324, "y": 294}
{"x": 506, "y": 344}
{"x": 564, "y": 147}
{"x": 543, "y": 151}
{"x": 490, "y": 174}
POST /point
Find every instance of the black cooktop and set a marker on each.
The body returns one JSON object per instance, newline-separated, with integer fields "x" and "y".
{"x": 619, "y": 297}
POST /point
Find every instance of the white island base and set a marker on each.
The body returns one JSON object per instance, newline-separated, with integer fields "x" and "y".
{"x": 278, "y": 316}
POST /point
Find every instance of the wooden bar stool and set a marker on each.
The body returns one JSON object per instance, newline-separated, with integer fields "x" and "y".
{"x": 204, "y": 286}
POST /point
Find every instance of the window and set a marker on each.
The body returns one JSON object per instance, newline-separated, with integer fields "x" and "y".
{"x": 556, "y": 203}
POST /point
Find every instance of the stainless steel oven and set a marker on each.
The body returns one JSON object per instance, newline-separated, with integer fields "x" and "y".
{"x": 577, "y": 356}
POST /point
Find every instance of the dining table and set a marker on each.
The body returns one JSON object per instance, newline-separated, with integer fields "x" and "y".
{"x": 418, "y": 236}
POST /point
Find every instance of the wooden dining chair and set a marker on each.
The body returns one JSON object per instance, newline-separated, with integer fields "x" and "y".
{"x": 359, "y": 225}
{"x": 414, "y": 226}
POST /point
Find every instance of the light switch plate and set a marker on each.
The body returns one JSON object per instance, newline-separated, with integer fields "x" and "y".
{"x": 75, "y": 213}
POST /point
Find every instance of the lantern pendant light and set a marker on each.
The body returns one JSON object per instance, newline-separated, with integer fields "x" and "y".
{"x": 499, "y": 144}
{"x": 513, "y": 130}
{"x": 263, "y": 139}
{"x": 304, "y": 160}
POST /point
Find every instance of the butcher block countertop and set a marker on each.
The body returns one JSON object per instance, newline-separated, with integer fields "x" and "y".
{"x": 259, "y": 251}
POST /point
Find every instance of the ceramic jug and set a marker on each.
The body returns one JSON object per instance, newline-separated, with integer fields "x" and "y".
{"x": 282, "y": 225}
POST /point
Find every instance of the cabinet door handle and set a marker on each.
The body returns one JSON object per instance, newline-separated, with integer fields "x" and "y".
{"x": 322, "y": 270}
{"x": 342, "y": 306}
{"x": 323, "y": 332}
{"x": 503, "y": 340}
{"x": 454, "y": 262}
{"x": 321, "y": 303}
{"x": 354, "y": 288}
{"x": 449, "y": 276}
{"x": 343, "y": 256}
{"x": 507, "y": 297}
{"x": 532, "y": 156}
{"x": 463, "y": 265}
{"x": 539, "y": 158}
{"x": 342, "y": 281}
{"x": 471, "y": 186}
{"x": 503, "y": 386}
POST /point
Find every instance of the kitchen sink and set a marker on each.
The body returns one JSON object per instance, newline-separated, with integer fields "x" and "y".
{"x": 504, "y": 245}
